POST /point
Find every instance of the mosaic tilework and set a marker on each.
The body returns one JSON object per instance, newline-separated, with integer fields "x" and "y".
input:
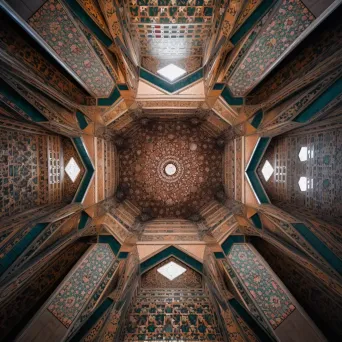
{"x": 55, "y": 26}
{"x": 172, "y": 315}
{"x": 325, "y": 197}
{"x": 260, "y": 283}
{"x": 21, "y": 157}
{"x": 290, "y": 20}
{"x": 197, "y": 178}
{"x": 79, "y": 287}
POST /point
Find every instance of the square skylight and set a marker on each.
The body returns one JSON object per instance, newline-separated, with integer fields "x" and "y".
{"x": 171, "y": 270}
{"x": 72, "y": 169}
{"x": 267, "y": 170}
{"x": 171, "y": 72}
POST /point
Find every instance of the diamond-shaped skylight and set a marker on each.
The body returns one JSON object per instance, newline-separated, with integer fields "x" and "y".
{"x": 305, "y": 183}
{"x": 171, "y": 270}
{"x": 72, "y": 169}
{"x": 267, "y": 170}
{"x": 303, "y": 154}
{"x": 171, "y": 72}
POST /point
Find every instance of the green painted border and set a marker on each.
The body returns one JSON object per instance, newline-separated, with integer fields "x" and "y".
{"x": 123, "y": 86}
{"x": 115, "y": 95}
{"x": 171, "y": 251}
{"x": 229, "y": 242}
{"x": 83, "y": 220}
{"x": 82, "y": 121}
{"x": 87, "y": 21}
{"x": 12, "y": 255}
{"x": 171, "y": 87}
{"x": 250, "y": 321}
{"x": 257, "y": 118}
{"x": 92, "y": 320}
{"x": 111, "y": 241}
{"x": 82, "y": 151}
{"x": 219, "y": 255}
{"x": 256, "y": 221}
{"x": 251, "y": 21}
{"x": 319, "y": 246}
{"x": 317, "y": 105}
{"x": 21, "y": 102}
{"x": 258, "y": 153}
{"x": 218, "y": 86}
{"x": 230, "y": 99}
{"x": 123, "y": 255}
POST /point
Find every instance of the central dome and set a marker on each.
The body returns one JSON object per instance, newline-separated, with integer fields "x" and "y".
{"x": 171, "y": 168}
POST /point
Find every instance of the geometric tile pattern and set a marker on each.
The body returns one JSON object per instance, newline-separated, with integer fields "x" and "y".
{"x": 171, "y": 11}
{"x": 171, "y": 28}
{"x": 289, "y": 21}
{"x": 21, "y": 157}
{"x": 79, "y": 287}
{"x": 262, "y": 286}
{"x": 172, "y": 315}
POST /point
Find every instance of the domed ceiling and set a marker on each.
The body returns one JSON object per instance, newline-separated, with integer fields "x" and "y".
{"x": 171, "y": 168}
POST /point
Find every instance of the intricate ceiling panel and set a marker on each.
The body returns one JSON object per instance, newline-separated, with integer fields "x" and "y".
{"x": 287, "y": 23}
{"x": 177, "y": 190}
{"x": 175, "y": 30}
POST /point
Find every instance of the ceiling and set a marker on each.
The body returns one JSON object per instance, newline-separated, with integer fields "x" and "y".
{"x": 171, "y": 31}
{"x": 198, "y": 165}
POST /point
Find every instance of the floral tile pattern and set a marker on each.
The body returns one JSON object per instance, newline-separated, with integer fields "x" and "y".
{"x": 260, "y": 283}
{"x": 56, "y": 27}
{"x": 76, "y": 291}
{"x": 290, "y": 20}
{"x": 198, "y": 168}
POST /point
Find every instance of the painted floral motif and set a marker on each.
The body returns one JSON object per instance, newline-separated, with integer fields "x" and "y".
{"x": 78, "y": 289}
{"x": 262, "y": 286}
{"x": 290, "y": 20}
{"x": 55, "y": 26}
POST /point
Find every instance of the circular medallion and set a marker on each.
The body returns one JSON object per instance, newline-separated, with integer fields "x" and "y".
{"x": 170, "y": 169}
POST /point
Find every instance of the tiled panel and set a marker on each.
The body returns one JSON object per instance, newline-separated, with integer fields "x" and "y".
{"x": 53, "y": 23}
{"x": 289, "y": 21}
{"x": 23, "y": 183}
{"x": 78, "y": 288}
{"x": 324, "y": 198}
{"x": 261, "y": 284}
{"x": 172, "y": 315}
